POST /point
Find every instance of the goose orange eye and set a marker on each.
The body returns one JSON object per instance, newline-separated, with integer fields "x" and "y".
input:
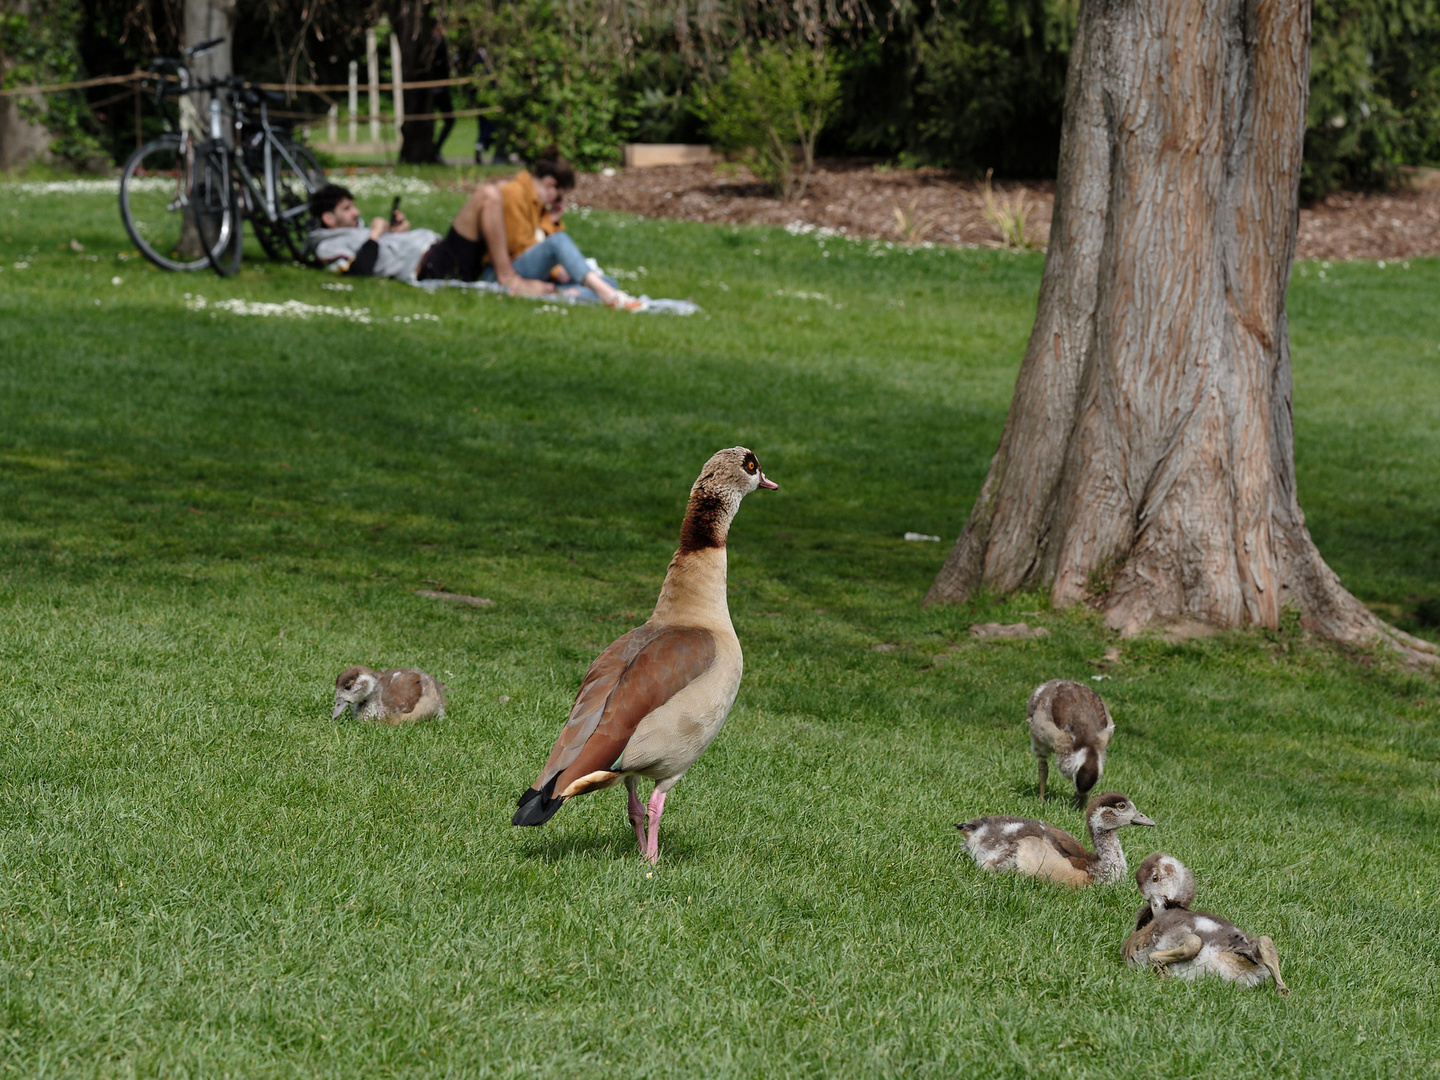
{"x": 749, "y": 466}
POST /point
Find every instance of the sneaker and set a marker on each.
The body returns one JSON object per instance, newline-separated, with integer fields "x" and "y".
{"x": 625, "y": 302}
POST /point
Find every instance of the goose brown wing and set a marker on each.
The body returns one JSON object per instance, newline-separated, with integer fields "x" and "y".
{"x": 627, "y": 682}
{"x": 400, "y": 691}
{"x": 1073, "y": 851}
{"x": 1080, "y": 712}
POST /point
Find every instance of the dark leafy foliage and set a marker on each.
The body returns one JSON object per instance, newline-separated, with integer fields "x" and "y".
{"x": 968, "y": 84}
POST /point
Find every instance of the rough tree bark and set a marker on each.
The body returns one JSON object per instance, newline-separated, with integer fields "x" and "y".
{"x": 1147, "y": 463}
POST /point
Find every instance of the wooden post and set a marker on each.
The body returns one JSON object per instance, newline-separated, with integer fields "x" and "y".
{"x": 137, "y": 114}
{"x": 397, "y": 83}
{"x": 332, "y": 124}
{"x": 372, "y": 61}
{"x": 354, "y": 101}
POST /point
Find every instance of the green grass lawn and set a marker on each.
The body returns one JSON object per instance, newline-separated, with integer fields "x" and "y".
{"x": 206, "y": 516}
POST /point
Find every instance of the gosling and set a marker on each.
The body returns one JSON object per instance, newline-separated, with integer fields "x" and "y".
{"x": 1070, "y": 721}
{"x": 1165, "y": 882}
{"x": 394, "y": 696}
{"x": 1193, "y": 944}
{"x": 1035, "y": 849}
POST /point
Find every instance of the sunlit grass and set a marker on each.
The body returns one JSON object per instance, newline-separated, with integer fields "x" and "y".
{"x": 207, "y": 516}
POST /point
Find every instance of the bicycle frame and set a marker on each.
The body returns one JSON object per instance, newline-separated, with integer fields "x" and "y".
{"x": 266, "y": 195}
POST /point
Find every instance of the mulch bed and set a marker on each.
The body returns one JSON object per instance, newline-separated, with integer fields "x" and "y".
{"x": 933, "y": 205}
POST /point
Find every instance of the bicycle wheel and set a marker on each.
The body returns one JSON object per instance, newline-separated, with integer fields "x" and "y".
{"x": 216, "y": 208}
{"x": 295, "y": 181}
{"x": 155, "y": 205}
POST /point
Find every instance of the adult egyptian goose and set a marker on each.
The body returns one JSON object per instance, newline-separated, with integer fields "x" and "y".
{"x": 393, "y": 696}
{"x": 1039, "y": 850}
{"x": 653, "y": 701}
{"x": 1069, "y": 720}
{"x": 1165, "y": 882}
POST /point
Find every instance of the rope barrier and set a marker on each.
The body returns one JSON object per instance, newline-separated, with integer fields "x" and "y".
{"x": 106, "y": 80}
{"x": 386, "y": 118}
{"x": 308, "y": 88}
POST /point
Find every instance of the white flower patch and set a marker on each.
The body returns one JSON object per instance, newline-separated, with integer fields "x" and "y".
{"x": 800, "y": 294}
{"x": 290, "y": 309}
{"x": 551, "y": 309}
{"x": 380, "y": 185}
{"x": 22, "y": 265}
{"x": 338, "y": 286}
{"x": 87, "y": 187}
{"x": 423, "y": 316}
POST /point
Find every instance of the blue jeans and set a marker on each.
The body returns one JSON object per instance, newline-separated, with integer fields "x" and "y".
{"x": 555, "y": 250}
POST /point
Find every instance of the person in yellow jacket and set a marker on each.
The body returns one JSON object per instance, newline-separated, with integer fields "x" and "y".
{"x": 540, "y": 249}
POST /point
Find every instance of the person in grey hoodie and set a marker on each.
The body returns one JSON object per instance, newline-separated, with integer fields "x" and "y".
{"x": 394, "y": 249}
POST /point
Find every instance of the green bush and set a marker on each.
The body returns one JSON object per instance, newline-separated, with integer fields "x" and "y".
{"x": 773, "y": 102}
{"x": 551, "y": 88}
{"x": 1374, "y": 93}
{"x": 41, "y": 45}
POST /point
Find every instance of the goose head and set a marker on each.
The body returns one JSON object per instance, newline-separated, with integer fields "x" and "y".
{"x": 1165, "y": 882}
{"x": 727, "y": 478}
{"x": 1112, "y": 811}
{"x": 353, "y": 687}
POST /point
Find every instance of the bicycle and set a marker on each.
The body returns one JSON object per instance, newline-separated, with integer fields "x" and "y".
{"x": 175, "y": 214}
{"x": 271, "y": 178}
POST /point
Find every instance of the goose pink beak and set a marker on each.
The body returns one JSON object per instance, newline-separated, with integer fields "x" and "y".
{"x": 766, "y": 482}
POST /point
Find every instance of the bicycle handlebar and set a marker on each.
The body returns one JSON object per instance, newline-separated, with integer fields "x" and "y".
{"x": 201, "y": 49}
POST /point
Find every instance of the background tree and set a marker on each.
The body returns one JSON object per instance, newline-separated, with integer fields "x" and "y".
{"x": 1147, "y": 463}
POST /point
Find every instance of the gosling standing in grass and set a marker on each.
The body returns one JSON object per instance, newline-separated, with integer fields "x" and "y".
{"x": 1071, "y": 722}
{"x": 394, "y": 696}
{"x": 653, "y": 701}
{"x": 1193, "y": 944}
{"x": 1035, "y": 849}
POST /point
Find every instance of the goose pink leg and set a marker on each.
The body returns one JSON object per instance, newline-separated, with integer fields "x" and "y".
{"x": 651, "y": 848}
{"x": 637, "y": 813}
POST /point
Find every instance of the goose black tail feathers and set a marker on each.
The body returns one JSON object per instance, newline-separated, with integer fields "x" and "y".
{"x": 537, "y": 805}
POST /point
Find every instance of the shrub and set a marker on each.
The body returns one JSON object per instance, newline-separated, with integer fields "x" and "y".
{"x": 773, "y": 101}
{"x": 1374, "y": 93}
{"x": 552, "y": 89}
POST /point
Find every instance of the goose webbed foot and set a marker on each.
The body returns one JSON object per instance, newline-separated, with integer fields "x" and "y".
{"x": 1271, "y": 959}
{"x": 1186, "y": 950}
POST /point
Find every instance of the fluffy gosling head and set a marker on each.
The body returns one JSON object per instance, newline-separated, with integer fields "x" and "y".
{"x": 1165, "y": 882}
{"x": 1112, "y": 811}
{"x": 353, "y": 687}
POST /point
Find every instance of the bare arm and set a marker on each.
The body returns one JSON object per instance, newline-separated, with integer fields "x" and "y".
{"x": 492, "y": 224}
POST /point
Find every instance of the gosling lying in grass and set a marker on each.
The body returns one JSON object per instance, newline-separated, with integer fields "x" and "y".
{"x": 1191, "y": 944}
{"x": 1035, "y": 849}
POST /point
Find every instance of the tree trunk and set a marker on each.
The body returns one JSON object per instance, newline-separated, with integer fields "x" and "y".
{"x": 22, "y": 140}
{"x": 206, "y": 20}
{"x": 413, "y": 24}
{"x": 1147, "y": 464}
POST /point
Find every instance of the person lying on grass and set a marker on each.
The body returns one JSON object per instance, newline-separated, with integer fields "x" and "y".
{"x": 393, "y": 249}
{"x": 534, "y": 202}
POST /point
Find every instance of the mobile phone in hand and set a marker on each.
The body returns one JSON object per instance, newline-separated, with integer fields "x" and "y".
{"x": 395, "y": 209}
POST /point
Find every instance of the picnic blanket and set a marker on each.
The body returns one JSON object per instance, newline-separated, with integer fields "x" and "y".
{"x": 649, "y": 306}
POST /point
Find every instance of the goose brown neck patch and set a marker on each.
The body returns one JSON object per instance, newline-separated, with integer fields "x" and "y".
{"x": 707, "y": 522}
